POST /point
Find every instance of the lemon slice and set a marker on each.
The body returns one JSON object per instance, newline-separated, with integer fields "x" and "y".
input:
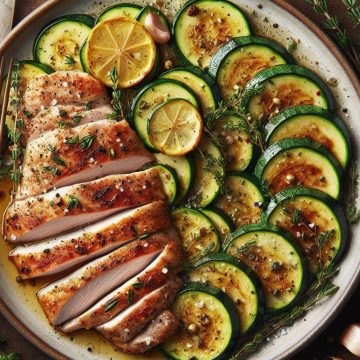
{"x": 123, "y": 44}
{"x": 175, "y": 127}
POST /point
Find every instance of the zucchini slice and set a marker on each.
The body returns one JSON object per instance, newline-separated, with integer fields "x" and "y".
{"x": 300, "y": 162}
{"x": 201, "y": 27}
{"x": 170, "y": 182}
{"x": 221, "y": 221}
{"x": 58, "y": 43}
{"x": 311, "y": 215}
{"x": 153, "y": 95}
{"x": 237, "y": 281}
{"x": 238, "y": 150}
{"x": 243, "y": 201}
{"x": 201, "y": 84}
{"x": 127, "y": 10}
{"x": 237, "y": 62}
{"x": 277, "y": 260}
{"x": 184, "y": 169}
{"x": 313, "y": 123}
{"x": 209, "y": 173}
{"x": 198, "y": 234}
{"x": 209, "y": 324}
{"x": 83, "y": 61}
{"x": 283, "y": 86}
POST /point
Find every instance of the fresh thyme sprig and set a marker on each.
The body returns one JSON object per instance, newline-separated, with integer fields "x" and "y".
{"x": 69, "y": 60}
{"x": 352, "y": 212}
{"x": 118, "y": 112}
{"x": 333, "y": 23}
{"x": 11, "y": 356}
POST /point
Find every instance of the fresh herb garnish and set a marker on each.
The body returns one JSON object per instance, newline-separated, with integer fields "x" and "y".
{"x": 55, "y": 171}
{"x": 77, "y": 118}
{"x": 118, "y": 112}
{"x": 58, "y": 160}
{"x": 62, "y": 113}
{"x": 130, "y": 297}
{"x": 138, "y": 285}
{"x": 11, "y": 356}
{"x": 111, "y": 305}
{"x": 88, "y": 105}
{"x": 73, "y": 202}
{"x": 87, "y": 141}
{"x": 74, "y": 140}
{"x": 69, "y": 60}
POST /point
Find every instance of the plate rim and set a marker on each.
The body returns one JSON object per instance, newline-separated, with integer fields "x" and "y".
{"x": 344, "y": 63}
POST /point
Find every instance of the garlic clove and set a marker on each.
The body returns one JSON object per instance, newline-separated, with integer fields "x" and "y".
{"x": 159, "y": 32}
{"x": 351, "y": 339}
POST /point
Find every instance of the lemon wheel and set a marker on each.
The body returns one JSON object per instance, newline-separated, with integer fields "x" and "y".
{"x": 175, "y": 127}
{"x": 123, "y": 44}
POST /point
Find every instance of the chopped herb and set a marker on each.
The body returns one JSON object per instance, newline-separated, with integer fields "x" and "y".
{"x": 77, "y": 118}
{"x": 69, "y": 60}
{"x": 73, "y": 202}
{"x": 20, "y": 124}
{"x": 87, "y": 141}
{"x": 14, "y": 136}
{"x": 57, "y": 159}
{"x": 292, "y": 46}
{"x": 74, "y": 140}
{"x": 28, "y": 114}
{"x": 62, "y": 113}
{"x": 130, "y": 297}
{"x": 61, "y": 124}
{"x": 246, "y": 247}
{"x": 138, "y": 285}
{"x": 116, "y": 94}
{"x": 111, "y": 305}
{"x": 55, "y": 171}
{"x": 88, "y": 105}
{"x": 15, "y": 176}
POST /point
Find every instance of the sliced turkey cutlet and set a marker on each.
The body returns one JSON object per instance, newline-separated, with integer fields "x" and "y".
{"x": 73, "y": 294}
{"x": 158, "y": 331}
{"x": 63, "y": 88}
{"x": 163, "y": 268}
{"x": 129, "y": 323}
{"x": 60, "y": 117}
{"x": 68, "y": 156}
{"x": 56, "y": 212}
{"x": 72, "y": 249}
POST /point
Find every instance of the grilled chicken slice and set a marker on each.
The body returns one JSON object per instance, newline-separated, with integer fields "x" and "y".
{"x": 159, "y": 330}
{"x": 129, "y": 323}
{"x": 70, "y": 296}
{"x": 68, "y": 156}
{"x": 63, "y": 88}
{"x": 56, "y": 212}
{"x": 163, "y": 268}
{"x": 72, "y": 249}
{"x": 59, "y": 117}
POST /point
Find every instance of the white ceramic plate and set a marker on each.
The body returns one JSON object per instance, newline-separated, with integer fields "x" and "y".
{"x": 315, "y": 51}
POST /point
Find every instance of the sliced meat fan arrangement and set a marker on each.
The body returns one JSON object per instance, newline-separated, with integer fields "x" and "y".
{"x": 89, "y": 209}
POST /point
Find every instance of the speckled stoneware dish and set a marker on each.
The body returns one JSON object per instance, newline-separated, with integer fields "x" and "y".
{"x": 19, "y": 304}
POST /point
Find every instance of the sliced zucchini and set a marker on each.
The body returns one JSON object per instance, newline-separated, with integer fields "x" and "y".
{"x": 202, "y": 85}
{"x": 313, "y": 123}
{"x": 277, "y": 260}
{"x": 145, "y": 11}
{"x": 237, "y": 62}
{"x": 83, "y": 61}
{"x": 58, "y": 43}
{"x": 300, "y": 162}
{"x": 282, "y": 86}
{"x": 237, "y": 281}
{"x": 184, "y": 169}
{"x": 221, "y": 221}
{"x": 170, "y": 182}
{"x": 209, "y": 324}
{"x": 242, "y": 201}
{"x": 238, "y": 150}
{"x": 127, "y": 10}
{"x": 201, "y": 27}
{"x": 311, "y": 215}
{"x": 209, "y": 173}
{"x": 153, "y": 95}
{"x": 198, "y": 234}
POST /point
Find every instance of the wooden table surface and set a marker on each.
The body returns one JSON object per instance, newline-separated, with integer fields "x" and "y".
{"x": 326, "y": 346}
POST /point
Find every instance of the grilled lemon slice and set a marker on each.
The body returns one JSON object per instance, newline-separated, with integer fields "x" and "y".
{"x": 175, "y": 127}
{"x": 123, "y": 44}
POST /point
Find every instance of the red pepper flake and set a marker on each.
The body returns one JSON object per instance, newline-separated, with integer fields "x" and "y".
{"x": 247, "y": 140}
{"x": 318, "y": 93}
{"x": 193, "y": 10}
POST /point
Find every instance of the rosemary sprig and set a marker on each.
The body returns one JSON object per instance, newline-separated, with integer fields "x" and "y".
{"x": 87, "y": 141}
{"x": 352, "y": 212}
{"x": 69, "y": 60}
{"x": 118, "y": 112}
{"x": 333, "y": 23}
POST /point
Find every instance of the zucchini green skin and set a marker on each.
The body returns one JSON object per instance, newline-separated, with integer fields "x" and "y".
{"x": 287, "y": 237}
{"x": 228, "y": 304}
{"x": 292, "y": 143}
{"x": 175, "y": 43}
{"x": 332, "y": 204}
{"x": 202, "y": 77}
{"x": 290, "y": 113}
{"x": 211, "y": 212}
{"x": 286, "y": 69}
{"x": 223, "y": 257}
{"x": 241, "y": 41}
{"x": 115, "y": 7}
{"x": 45, "y": 68}
{"x": 83, "y": 61}
{"x": 136, "y": 104}
{"x": 173, "y": 182}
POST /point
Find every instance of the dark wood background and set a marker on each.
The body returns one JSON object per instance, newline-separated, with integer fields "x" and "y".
{"x": 327, "y": 345}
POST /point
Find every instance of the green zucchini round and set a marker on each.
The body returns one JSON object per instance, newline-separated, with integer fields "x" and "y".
{"x": 292, "y": 162}
{"x": 127, "y": 10}
{"x": 170, "y": 182}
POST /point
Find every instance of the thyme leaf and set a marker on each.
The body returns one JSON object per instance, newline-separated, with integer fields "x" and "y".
{"x": 118, "y": 113}
{"x": 69, "y": 60}
{"x": 111, "y": 305}
{"x": 87, "y": 141}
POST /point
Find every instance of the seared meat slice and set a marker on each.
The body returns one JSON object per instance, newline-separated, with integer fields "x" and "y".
{"x": 63, "y": 88}
{"x": 129, "y": 323}
{"x": 56, "y": 212}
{"x": 60, "y": 116}
{"x": 72, "y": 249}
{"x": 159, "y": 330}
{"x": 163, "y": 268}
{"x": 70, "y": 296}
{"x": 68, "y": 156}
